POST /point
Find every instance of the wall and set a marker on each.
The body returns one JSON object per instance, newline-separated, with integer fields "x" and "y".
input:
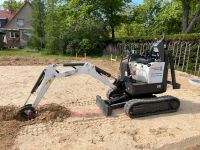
{"x": 25, "y": 14}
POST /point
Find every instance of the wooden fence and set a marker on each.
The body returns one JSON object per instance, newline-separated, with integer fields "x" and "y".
{"x": 186, "y": 53}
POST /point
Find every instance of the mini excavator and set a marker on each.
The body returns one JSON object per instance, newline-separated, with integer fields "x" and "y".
{"x": 142, "y": 76}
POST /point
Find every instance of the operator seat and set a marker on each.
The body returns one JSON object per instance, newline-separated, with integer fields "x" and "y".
{"x": 141, "y": 59}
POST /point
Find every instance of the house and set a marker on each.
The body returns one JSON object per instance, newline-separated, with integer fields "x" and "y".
{"x": 18, "y": 26}
{"x": 5, "y": 17}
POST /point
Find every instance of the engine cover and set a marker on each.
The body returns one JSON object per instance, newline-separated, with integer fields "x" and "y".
{"x": 147, "y": 73}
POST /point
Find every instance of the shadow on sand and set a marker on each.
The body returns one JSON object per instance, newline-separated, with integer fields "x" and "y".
{"x": 186, "y": 107}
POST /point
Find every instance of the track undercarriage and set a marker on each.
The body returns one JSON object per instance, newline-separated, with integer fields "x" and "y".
{"x": 141, "y": 107}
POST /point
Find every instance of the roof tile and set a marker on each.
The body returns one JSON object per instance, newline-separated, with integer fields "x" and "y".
{"x": 6, "y": 14}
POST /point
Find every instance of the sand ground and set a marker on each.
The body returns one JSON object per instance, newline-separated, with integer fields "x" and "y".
{"x": 87, "y": 128}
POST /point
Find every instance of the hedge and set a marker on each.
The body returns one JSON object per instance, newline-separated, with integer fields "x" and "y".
{"x": 189, "y": 37}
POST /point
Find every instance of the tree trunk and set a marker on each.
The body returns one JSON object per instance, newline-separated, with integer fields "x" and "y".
{"x": 113, "y": 33}
{"x": 185, "y": 19}
{"x": 195, "y": 19}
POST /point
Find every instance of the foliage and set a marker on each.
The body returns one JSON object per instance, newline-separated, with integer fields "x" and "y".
{"x": 54, "y": 42}
{"x": 131, "y": 30}
{"x": 192, "y": 37}
{"x": 190, "y": 15}
{"x": 38, "y": 33}
{"x": 153, "y": 17}
{"x": 168, "y": 19}
{"x": 156, "y": 17}
{"x": 12, "y": 5}
{"x": 79, "y": 26}
{"x": 76, "y": 24}
{"x": 111, "y": 11}
{"x": 85, "y": 46}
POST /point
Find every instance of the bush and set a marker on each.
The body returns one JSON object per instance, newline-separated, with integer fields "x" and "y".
{"x": 35, "y": 43}
{"x": 85, "y": 46}
{"x": 54, "y": 45}
{"x": 194, "y": 36}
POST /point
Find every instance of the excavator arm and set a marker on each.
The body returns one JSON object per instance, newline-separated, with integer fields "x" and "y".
{"x": 50, "y": 73}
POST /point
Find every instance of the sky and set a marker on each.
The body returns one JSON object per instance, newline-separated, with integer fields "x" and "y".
{"x": 133, "y": 1}
{"x": 137, "y": 2}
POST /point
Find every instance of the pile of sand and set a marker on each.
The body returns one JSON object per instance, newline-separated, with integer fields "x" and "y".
{"x": 52, "y": 112}
{"x": 11, "y": 122}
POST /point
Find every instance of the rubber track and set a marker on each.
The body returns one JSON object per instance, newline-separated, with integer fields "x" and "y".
{"x": 160, "y": 105}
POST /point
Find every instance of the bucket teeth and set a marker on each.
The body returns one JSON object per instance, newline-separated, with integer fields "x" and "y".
{"x": 27, "y": 112}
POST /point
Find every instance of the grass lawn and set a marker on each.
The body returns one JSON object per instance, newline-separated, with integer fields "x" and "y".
{"x": 35, "y": 53}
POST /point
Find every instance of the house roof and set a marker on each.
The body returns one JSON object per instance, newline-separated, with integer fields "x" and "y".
{"x": 25, "y": 3}
{"x": 6, "y": 14}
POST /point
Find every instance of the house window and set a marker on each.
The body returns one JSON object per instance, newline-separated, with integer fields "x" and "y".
{"x": 14, "y": 34}
{"x": 26, "y": 35}
{"x": 20, "y": 22}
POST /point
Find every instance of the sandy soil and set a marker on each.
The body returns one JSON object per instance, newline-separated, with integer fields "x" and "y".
{"x": 87, "y": 128}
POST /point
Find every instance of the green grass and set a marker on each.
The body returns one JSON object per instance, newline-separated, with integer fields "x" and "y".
{"x": 43, "y": 54}
{"x": 30, "y": 53}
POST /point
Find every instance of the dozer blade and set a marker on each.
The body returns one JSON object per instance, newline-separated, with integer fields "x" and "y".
{"x": 102, "y": 104}
{"x": 151, "y": 106}
{"x": 106, "y": 106}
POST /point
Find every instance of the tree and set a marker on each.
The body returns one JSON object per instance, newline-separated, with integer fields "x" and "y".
{"x": 111, "y": 12}
{"x": 143, "y": 18}
{"x": 52, "y": 38}
{"x": 191, "y": 14}
{"x": 12, "y": 5}
{"x": 168, "y": 20}
{"x": 81, "y": 27}
{"x": 151, "y": 8}
{"x": 38, "y": 32}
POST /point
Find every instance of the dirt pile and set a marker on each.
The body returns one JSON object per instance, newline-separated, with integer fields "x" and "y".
{"x": 9, "y": 126}
{"x": 8, "y": 113}
{"x": 52, "y": 112}
{"x": 11, "y": 122}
